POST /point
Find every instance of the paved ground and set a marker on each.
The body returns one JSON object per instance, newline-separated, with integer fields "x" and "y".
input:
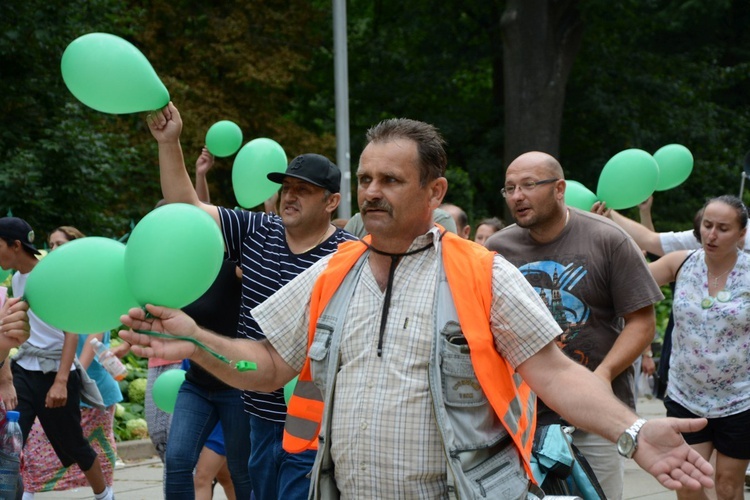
{"x": 141, "y": 476}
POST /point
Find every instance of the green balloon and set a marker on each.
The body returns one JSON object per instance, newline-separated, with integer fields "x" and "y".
{"x": 4, "y": 273}
{"x": 289, "y": 389}
{"x": 81, "y": 286}
{"x": 165, "y": 389}
{"x": 223, "y": 138}
{"x": 173, "y": 255}
{"x": 111, "y": 75}
{"x": 675, "y": 165}
{"x": 579, "y": 196}
{"x": 255, "y": 160}
{"x": 628, "y": 178}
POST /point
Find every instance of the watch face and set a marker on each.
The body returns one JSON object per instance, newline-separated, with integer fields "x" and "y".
{"x": 626, "y": 445}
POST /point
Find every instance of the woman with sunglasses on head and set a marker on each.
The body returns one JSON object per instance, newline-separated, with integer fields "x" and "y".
{"x": 709, "y": 373}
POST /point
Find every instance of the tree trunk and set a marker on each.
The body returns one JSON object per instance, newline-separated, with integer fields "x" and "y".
{"x": 541, "y": 39}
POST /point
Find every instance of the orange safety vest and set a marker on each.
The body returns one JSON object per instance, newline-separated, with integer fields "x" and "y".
{"x": 511, "y": 399}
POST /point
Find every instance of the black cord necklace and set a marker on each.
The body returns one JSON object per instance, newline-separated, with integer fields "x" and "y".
{"x": 389, "y": 286}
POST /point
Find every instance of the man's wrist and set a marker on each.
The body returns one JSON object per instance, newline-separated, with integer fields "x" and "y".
{"x": 648, "y": 354}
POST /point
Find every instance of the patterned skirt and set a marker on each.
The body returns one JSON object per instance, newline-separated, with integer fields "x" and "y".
{"x": 42, "y": 470}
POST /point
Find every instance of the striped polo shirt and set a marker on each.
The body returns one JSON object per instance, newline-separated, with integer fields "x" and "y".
{"x": 257, "y": 242}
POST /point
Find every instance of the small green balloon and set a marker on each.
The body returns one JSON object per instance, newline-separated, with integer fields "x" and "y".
{"x": 628, "y": 178}
{"x": 675, "y": 165}
{"x": 173, "y": 255}
{"x": 109, "y": 74}
{"x": 255, "y": 160}
{"x": 165, "y": 389}
{"x": 579, "y": 196}
{"x": 81, "y": 286}
{"x": 223, "y": 138}
{"x": 289, "y": 389}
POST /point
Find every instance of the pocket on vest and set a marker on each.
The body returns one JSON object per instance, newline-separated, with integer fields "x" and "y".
{"x": 460, "y": 385}
{"x": 319, "y": 351}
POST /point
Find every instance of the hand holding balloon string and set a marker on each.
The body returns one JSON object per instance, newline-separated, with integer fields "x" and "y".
{"x": 241, "y": 366}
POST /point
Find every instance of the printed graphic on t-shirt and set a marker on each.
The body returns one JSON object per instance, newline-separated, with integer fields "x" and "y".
{"x": 560, "y": 286}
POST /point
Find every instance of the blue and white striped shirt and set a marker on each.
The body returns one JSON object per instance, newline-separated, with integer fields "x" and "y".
{"x": 257, "y": 241}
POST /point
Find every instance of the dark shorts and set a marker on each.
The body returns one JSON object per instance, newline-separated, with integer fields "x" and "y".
{"x": 730, "y": 435}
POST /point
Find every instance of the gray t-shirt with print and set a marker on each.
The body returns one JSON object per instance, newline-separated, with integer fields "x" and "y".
{"x": 590, "y": 276}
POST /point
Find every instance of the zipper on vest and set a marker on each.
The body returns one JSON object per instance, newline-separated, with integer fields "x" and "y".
{"x": 487, "y": 475}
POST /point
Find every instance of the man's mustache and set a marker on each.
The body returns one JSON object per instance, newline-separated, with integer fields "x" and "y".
{"x": 377, "y": 205}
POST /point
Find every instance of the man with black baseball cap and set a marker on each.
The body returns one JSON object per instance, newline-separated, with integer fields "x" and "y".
{"x": 14, "y": 229}
{"x": 271, "y": 250}
{"x": 46, "y": 381}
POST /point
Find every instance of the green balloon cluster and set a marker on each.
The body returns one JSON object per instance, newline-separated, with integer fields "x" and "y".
{"x": 109, "y": 74}
{"x": 165, "y": 389}
{"x": 223, "y": 138}
{"x": 253, "y": 163}
{"x": 81, "y": 286}
{"x": 172, "y": 258}
{"x": 579, "y": 196}
{"x": 675, "y": 165}
{"x": 627, "y": 179}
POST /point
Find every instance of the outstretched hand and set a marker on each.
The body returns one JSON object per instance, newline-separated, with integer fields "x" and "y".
{"x": 165, "y": 124}
{"x": 160, "y": 320}
{"x": 663, "y": 453}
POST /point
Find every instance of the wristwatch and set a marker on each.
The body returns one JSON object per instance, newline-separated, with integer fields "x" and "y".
{"x": 648, "y": 354}
{"x": 628, "y": 441}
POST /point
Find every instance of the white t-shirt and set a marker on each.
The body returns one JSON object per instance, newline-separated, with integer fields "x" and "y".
{"x": 43, "y": 335}
{"x": 685, "y": 240}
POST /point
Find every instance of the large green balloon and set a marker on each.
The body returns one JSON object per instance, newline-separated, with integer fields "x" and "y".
{"x": 173, "y": 255}
{"x": 111, "y": 75}
{"x": 255, "y": 160}
{"x": 628, "y": 178}
{"x": 165, "y": 389}
{"x": 675, "y": 165}
{"x": 81, "y": 286}
{"x": 223, "y": 138}
{"x": 579, "y": 196}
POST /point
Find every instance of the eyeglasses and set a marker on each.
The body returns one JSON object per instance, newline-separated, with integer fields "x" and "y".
{"x": 524, "y": 186}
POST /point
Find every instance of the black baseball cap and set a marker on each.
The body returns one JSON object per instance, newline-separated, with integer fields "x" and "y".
{"x": 13, "y": 228}
{"x": 315, "y": 169}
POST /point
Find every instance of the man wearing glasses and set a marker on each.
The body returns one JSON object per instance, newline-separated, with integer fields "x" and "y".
{"x": 595, "y": 283}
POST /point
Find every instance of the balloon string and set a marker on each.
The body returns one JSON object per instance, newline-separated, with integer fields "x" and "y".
{"x": 241, "y": 366}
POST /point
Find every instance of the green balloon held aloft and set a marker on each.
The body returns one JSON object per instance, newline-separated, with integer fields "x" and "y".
{"x": 223, "y": 138}
{"x": 173, "y": 255}
{"x": 579, "y": 196}
{"x": 165, "y": 389}
{"x": 628, "y": 178}
{"x": 253, "y": 163}
{"x": 675, "y": 165}
{"x": 81, "y": 286}
{"x": 109, "y": 74}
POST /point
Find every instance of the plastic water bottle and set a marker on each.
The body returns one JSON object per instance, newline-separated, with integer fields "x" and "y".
{"x": 11, "y": 445}
{"x": 108, "y": 360}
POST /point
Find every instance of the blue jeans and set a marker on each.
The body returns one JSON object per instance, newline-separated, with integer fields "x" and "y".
{"x": 276, "y": 473}
{"x": 195, "y": 415}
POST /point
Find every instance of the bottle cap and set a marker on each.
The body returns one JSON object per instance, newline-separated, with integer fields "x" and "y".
{"x": 12, "y": 415}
